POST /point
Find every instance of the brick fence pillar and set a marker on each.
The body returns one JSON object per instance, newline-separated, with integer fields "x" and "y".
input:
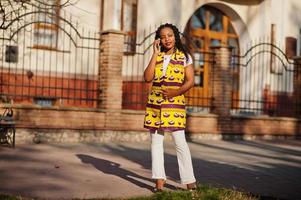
{"x": 110, "y": 76}
{"x": 222, "y": 87}
{"x": 297, "y": 86}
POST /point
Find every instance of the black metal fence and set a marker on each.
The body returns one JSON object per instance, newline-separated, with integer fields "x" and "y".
{"x": 199, "y": 98}
{"x": 265, "y": 81}
{"x": 136, "y": 57}
{"x": 47, "y": 58}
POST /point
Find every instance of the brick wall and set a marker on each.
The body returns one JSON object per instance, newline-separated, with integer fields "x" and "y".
{"x": 83, "y": 125}
{"x": 222, "y": 88}
{"x": 66, "y": 91}
{"x": 297, "y": 85}
{"x": 110, "y": 78}
{"x": 58, "y": 118}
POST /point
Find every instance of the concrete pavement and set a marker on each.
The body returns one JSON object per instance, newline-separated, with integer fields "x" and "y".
{"x": 112, "y": 170}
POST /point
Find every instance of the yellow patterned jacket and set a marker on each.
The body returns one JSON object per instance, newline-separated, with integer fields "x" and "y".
{"x": 167, "y": 114}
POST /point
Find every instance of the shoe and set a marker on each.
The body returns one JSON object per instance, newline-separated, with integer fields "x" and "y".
{"x": 157, "y": 190}
{"x": 192, "y": 188}
{"x": 159, "y": 185}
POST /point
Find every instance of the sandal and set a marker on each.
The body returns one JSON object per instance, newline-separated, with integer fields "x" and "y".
{"x": 157, "y": 190}
{"x": 159, "y": 185}
{"x": 192, "y": 188}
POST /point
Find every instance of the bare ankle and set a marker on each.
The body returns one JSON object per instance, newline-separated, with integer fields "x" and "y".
{"x": 160, "y": 183}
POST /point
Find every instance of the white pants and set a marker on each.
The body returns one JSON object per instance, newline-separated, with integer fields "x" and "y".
{"x": 183, "y": 156}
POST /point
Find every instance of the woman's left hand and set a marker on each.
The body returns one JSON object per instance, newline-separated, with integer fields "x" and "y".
{"x": 169, "y": 93}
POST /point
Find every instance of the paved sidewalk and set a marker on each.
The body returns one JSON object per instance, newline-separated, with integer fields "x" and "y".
{"x": 109, "y": 170}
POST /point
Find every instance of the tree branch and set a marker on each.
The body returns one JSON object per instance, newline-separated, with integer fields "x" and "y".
{"x": 11, "y": 9}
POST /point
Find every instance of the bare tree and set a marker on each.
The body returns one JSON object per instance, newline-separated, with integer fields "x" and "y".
{"x": 10, "y": 10}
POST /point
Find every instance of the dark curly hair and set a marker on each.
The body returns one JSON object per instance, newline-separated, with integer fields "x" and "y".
{"x": 179, "y": 45}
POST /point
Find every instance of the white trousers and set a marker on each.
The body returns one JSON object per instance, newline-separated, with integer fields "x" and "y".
{"x": 183, "y": 156}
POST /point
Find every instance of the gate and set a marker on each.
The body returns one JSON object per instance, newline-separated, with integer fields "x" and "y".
{"x": 47, "y": 59}
{"x": 266, "y": 81}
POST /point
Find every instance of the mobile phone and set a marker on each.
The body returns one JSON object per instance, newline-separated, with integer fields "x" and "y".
{"x": 160, "y": 44}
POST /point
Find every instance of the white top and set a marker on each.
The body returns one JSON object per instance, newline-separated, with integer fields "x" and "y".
{"x": 167, "y": 58}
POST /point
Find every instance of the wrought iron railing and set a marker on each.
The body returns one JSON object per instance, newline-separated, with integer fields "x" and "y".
{"x": 266, "y": 81}
{"x": 46, "y": 58}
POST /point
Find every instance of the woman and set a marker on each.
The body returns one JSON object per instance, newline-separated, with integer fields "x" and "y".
{"x": 171, "y": 72}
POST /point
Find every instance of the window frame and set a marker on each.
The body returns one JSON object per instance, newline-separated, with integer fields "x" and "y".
{"x": 132, "y": 34}
{"x": 41, "y": 27}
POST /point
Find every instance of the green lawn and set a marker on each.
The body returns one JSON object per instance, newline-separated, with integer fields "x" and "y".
{"x": 202, "y": 193}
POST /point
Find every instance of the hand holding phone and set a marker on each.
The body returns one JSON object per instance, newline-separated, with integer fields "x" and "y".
{"x": 157, "y": 47}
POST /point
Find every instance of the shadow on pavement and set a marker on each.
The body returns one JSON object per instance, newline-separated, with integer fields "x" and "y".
{"x": 264, "y": 147}
{"x": 113, "y": 168}
{"x": 143, "y": 158}
{"x": 273, "y": 176}
{"x": 250, "y": 167}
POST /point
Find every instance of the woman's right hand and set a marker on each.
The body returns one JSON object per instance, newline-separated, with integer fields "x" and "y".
{"x": 149, "y": 72}
{"x": 156, "y": 46}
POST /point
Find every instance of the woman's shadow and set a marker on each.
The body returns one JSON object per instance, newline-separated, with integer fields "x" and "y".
{"x": 113, "y": 168}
